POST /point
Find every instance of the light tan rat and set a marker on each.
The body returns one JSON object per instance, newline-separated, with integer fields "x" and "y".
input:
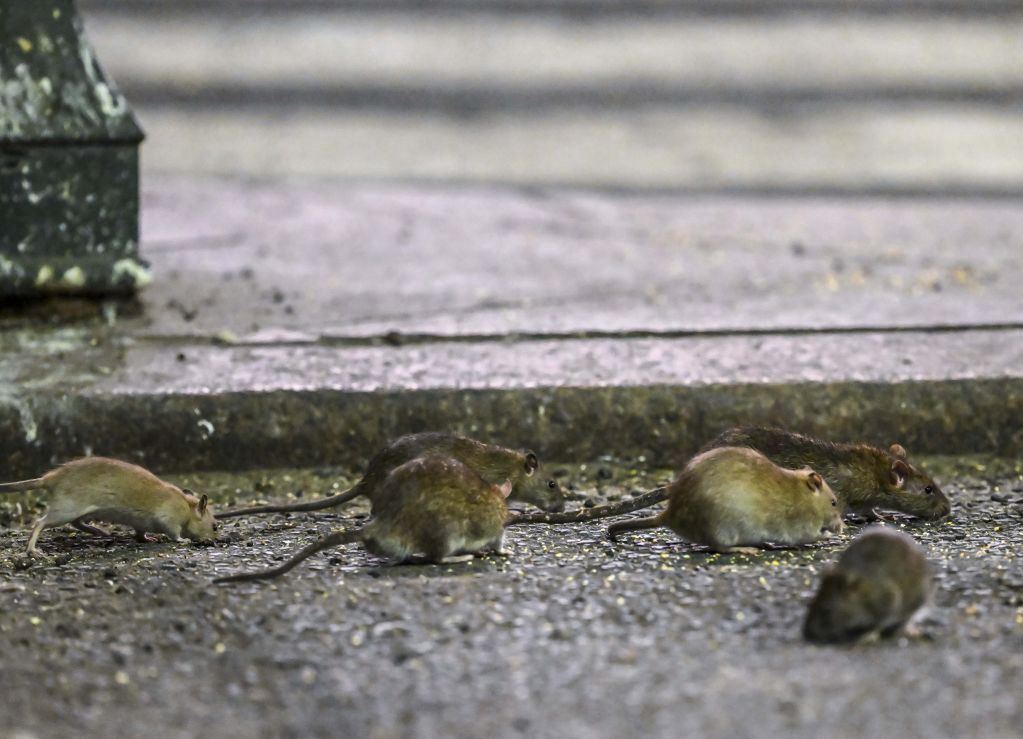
{"x": 864, "y": 478}
{"x": 102, "y": 489}
{"x": 493, "y": 463}
{"x": 435, "y": 507}
{"x": 879, "y": 582}
{"x": 734, "y": 500}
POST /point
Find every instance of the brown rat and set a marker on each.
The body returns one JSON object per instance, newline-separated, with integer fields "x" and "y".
{"x": 863, "y": 477}
{"x": 493, "y": 463}
{"x": 879, "y": 582}
{"x": 102, "y": 489}
{"x": 733, "y": 499}
{"x": 434, "y": 506}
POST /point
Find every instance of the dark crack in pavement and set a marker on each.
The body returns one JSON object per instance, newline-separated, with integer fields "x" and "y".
{"x": 570, "y": 635}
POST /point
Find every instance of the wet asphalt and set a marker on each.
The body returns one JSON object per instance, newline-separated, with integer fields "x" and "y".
{"x": 569, "y": 635}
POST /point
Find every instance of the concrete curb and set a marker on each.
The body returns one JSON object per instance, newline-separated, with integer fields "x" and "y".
{"x": 222, "y": 418}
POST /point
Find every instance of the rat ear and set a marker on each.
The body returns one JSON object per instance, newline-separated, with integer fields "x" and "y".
{"x": 814, "y": 481}
{"x": 897, "y": 451}
{"x": 505, "y": 488}
{"x": 531, "y": 463}
{"x": 899, "y": 473}
{"x": 203, "y": 503}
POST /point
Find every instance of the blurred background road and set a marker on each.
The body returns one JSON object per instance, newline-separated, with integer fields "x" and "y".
{"x": 902, "y": 96}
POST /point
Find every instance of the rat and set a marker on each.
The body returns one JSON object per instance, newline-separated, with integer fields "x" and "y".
{"x": 879, "y": 582}
{"x": 494, "y": 463}
{"x": 98, "y": 488}
{"x": 735, "y": 500}
{"x": 436, "y": 507}
{"x": 864, "y": 477}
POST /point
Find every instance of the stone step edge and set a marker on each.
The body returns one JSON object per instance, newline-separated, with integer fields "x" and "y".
{"x": 664, "y": 424}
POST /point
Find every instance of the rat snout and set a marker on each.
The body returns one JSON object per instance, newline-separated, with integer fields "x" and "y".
{"x": 932, "y": 509}
{"x": 552, "y": 499}
{"x": 835, "y": 526}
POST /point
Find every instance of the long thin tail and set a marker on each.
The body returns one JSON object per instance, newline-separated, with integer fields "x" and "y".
{"x": 331, "y": 540}
{"x": 634, "y": 524}
{"x": 309, "y": 505}
{"x": 22, "y": 486}
{"x": 589, "y": 514}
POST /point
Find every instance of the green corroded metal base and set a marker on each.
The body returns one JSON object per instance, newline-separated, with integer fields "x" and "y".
{"x": 71, "y": 224}
{"x": 68, "y": 161}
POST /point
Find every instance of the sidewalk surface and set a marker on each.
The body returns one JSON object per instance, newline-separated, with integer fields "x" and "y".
{"x": 309, "y": 323}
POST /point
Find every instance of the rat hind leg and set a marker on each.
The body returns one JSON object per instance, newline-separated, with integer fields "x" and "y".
{"x": 37, "y": 528}
{"x": 453, "y": 559}
{"x": 740, "y": 550}
{"x": 438, "y": 547}
{"x": 384, "y": 544}
{"x": 89, "y": 528}
{"x": 53, "y": 517}
{"x": 899, "y": 627}
{"x": 496, "y": 546}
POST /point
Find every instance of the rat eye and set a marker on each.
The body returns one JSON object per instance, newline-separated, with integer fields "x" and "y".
{"x": 834, "y": 504}
{"x": 929, "y": 490}
{"x": 551, "y": 484}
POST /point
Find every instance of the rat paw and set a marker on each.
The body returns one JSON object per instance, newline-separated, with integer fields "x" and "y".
{"x": 456, "y": 559}
{"x": 25, "y": 562}
{"x": 37, "y": 558}
{"x": 741, "y": 550}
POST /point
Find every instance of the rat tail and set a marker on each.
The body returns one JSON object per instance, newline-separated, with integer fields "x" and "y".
{"x": 635, "y": 524}
{"x": 589, "y": 514}
{"x": 331, "y": 540}
{"x": 21, "y": 486}
{"x": 309, "y": 505}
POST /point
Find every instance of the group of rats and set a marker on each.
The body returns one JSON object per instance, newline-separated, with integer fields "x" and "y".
{"x": 441, "y": 498}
